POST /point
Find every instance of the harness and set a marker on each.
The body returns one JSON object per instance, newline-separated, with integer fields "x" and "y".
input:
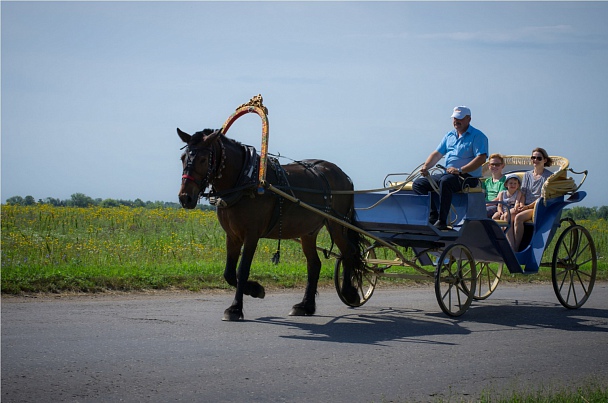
{"x": 247, "y": 183}
{"x": 214, "y": 171}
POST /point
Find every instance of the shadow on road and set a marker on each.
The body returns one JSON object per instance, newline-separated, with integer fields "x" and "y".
{"x": 512, "y": 314}
{"x": 362, "y": 327}
{"x": 412, "y": 326}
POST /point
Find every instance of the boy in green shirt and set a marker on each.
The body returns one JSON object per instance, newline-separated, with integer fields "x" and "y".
{"x": 495, "y": 183}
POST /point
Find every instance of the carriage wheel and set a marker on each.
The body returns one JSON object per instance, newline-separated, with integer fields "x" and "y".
{"x": 568, "y": 220}
{"x": 574, "y": 267}
{"x": 488, "y": 278}
{"x": 364, "y": 280}
{"x": 455, "y": 276}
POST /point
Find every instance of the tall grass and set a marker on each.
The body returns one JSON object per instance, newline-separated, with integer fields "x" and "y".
{"x": 46, "y": 248}
{"x": 52, "y": 249}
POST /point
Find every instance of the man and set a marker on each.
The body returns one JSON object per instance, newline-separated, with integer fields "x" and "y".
{"x": 465, "y": 149}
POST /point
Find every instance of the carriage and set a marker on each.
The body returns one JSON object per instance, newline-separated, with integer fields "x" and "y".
{"x": 383, "y": 232}
{"x": 467, "y": 262}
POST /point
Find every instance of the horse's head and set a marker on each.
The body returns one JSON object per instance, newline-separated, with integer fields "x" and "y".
{"x": 201, "y": 165}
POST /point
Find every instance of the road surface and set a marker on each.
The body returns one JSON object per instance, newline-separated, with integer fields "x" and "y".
{"x": 398, "y": 347}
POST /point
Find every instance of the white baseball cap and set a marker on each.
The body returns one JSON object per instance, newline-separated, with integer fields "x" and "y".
{"x": 460, "y": 112}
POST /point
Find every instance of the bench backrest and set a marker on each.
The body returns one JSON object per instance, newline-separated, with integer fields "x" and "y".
{"x": 558, "y": 184}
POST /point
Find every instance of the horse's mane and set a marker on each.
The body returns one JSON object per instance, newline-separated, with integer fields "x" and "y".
{"x": 198, "y": 137}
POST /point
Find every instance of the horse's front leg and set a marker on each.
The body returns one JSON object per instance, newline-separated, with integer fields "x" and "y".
{"x": 313, "y": 264}
{"x": 233, "y": 250}
{"x": 243, "y": 285}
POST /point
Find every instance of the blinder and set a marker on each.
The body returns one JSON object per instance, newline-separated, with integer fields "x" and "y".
{"x": 213, "y": 172}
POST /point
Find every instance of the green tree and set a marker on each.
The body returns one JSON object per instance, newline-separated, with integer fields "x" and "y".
{"x": 109, "y": 203}
{"x": 29, "y": 201}
{"x": 15, "y": 200}
{"x": 81, "y": 200}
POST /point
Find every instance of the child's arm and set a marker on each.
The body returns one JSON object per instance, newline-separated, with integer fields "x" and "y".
{"x": 499, "y": 206}
{"x": 520, "y": 200}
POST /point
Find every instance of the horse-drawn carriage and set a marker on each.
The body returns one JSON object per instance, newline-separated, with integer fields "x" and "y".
{"x": 380, "y": 233}
{"x": 467, "y": 262}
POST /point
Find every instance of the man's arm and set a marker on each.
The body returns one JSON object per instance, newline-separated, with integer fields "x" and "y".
{"x": 474, "y": 164}
{"x": 430, "y": 162}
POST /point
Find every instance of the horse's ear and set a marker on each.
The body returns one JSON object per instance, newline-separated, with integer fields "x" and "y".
{"x": 184, "y": 136}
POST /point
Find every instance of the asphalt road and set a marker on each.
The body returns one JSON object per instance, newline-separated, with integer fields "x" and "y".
{"x": 398, "y": 347}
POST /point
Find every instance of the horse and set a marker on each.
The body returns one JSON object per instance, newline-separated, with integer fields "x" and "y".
{"x": 230, "y": 169}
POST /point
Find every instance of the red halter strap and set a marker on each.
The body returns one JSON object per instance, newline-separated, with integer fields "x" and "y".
{"x": 188, "y": 177}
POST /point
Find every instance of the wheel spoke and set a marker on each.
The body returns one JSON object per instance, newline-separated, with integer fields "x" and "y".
{"x": 573, "y": 273}
{"x": 455, "y": 280}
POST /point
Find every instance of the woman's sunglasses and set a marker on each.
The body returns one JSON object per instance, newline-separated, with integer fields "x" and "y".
{"x": 537, "y": 158}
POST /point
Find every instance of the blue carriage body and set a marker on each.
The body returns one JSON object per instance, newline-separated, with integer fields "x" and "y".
{"x": 402, "y": 218}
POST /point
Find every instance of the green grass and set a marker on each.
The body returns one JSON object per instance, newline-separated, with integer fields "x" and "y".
{"x": 66, "y": 249}
{"x": 592, "y": 391}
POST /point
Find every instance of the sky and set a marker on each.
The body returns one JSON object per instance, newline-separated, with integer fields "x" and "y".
{"x": 92, "y": 92}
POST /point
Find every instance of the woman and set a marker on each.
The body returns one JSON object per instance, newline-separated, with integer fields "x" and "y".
{"x": 495, "y": 183}
{"x": 531, "y": 187}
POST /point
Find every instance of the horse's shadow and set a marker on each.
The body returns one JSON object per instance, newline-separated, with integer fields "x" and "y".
{"x": 378, "y": 326}
{"x": 370, "y": 327}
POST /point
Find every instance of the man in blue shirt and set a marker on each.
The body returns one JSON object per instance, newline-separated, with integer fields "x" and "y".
{"x": 465, "y": 149}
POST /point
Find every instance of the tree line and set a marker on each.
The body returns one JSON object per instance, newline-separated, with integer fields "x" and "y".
{"x": 82, "y": 200}
{"x": 586, "y": 213}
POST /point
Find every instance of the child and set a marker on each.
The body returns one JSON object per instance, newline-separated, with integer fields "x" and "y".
{"x": 512, "y": 196}
{"x": 495, "y": 183}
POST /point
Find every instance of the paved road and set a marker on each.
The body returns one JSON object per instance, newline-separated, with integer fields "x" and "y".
{"x": 397, "y": 347}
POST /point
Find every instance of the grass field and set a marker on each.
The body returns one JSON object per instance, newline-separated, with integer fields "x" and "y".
{"x": 60, "y": 249}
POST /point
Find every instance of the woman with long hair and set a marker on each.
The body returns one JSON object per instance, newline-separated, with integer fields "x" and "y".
{"x": 531, "y": 186}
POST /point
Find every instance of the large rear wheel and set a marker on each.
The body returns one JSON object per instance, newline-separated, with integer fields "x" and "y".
{"x": 574, "y": 266}
{"x": 455, "y": 280}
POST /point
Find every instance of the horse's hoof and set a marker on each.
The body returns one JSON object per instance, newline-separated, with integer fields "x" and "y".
{"x": 233, "y": 315}
{"x": 258, "y": 291}
{"x": 302, "y": 310}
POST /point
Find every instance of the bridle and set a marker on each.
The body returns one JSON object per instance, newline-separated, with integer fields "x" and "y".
{"x": 214, "y": 170}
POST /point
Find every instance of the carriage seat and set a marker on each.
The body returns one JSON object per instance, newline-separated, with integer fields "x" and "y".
{"x": 407, "y": 186}
{"x": 556, "y": 185}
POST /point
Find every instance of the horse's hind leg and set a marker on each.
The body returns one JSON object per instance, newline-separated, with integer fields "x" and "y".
{"x": 349, "y": 249}
{"x": 313, "y": 264}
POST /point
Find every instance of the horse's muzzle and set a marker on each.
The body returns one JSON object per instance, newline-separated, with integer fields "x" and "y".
{"x": 187, "y": 201}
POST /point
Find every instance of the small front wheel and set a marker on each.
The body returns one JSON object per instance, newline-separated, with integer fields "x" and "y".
{"x": 488, "y": 278}
{"x": 363, "y": 282}
{"x": 574, "y": 266}
{"x": 455, "y": 280}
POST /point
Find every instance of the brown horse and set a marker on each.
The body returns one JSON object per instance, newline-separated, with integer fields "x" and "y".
{"x": 230, "y": 169}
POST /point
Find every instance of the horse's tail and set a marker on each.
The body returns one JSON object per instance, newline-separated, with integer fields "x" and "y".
{"x": 355, "y": 238}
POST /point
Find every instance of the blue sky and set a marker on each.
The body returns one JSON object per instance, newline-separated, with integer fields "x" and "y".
{"x": 92, "y": 92}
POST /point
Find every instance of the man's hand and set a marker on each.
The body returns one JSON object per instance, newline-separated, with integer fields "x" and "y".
{"x": 424, "y": 171}
{"x": 453, "y": 171}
